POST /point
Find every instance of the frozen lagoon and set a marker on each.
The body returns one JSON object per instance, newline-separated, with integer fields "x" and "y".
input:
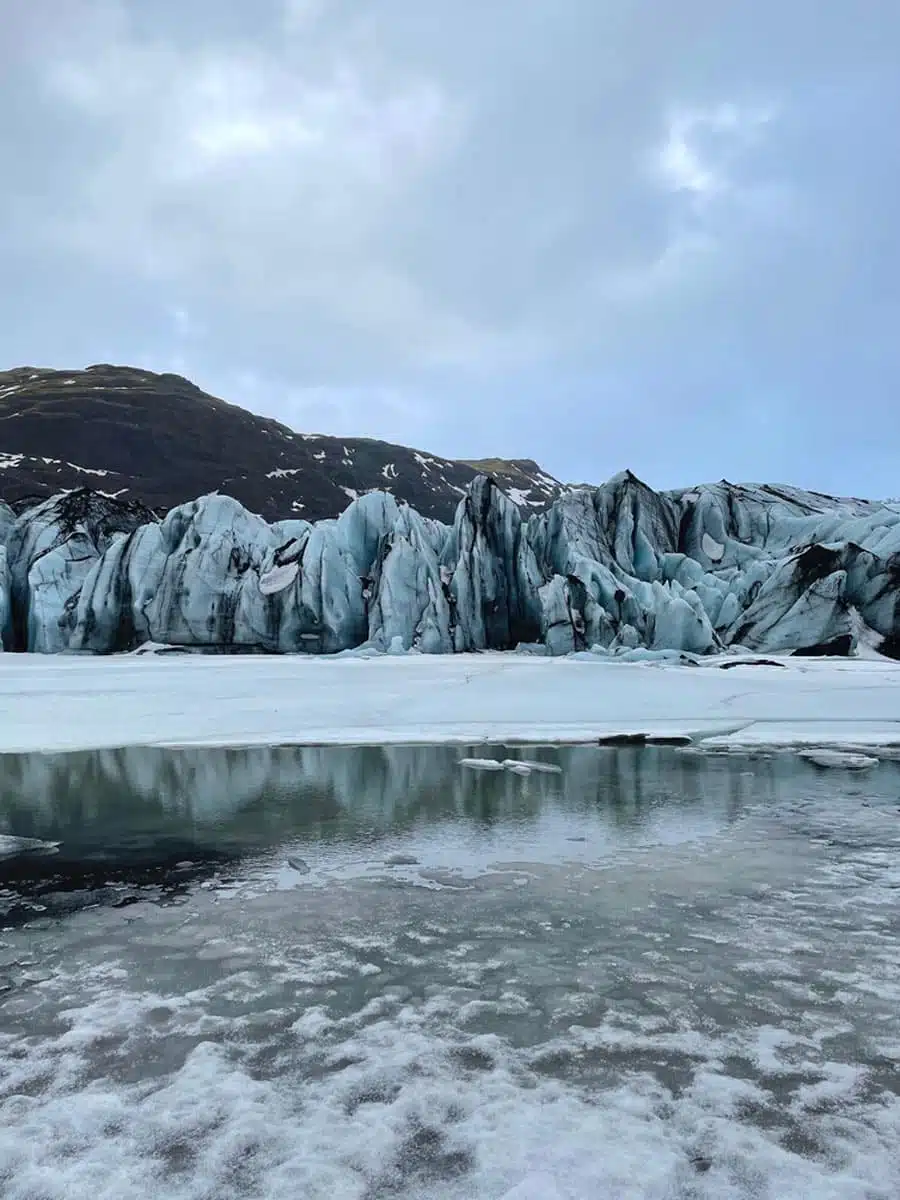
{"x": 659, "y": 974}
{"x": 71, "y": 703}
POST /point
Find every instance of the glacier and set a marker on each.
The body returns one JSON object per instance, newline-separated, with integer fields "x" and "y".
{"x": 7, "y": 519}
{"x": 617, "y": 569}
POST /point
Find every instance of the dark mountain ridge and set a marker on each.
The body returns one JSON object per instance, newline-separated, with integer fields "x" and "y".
{"x": 159, "y": 439}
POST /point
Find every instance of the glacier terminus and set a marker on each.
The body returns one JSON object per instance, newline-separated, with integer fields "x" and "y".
{"x": 620, "y": 569}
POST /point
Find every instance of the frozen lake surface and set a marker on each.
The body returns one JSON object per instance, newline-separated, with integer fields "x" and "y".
{"x": 74, "y": 702}
{"x": 374, "y": 972}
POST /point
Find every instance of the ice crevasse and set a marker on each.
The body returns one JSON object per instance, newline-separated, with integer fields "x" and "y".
{"x": 615, "y": 568}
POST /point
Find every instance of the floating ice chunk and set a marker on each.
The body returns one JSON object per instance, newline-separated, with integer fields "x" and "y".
{"x": 532, "y": 765}
{"x": 481, "y": 764}
{"x": 839, "y": 758}
{"x": 15, "y": 847}
{"x": 300, "y": 865}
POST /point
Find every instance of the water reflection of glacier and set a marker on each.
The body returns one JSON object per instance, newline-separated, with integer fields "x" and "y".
{"x": 241, "y": 798}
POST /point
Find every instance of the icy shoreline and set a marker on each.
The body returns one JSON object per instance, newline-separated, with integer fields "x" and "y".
{"x": 63, "y": 703}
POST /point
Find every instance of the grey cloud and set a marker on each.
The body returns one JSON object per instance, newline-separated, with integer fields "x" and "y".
{"x": 599, "y": 233}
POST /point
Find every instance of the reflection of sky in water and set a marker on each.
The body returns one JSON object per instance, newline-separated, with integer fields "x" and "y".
{"x": 238, "y": 799}
{"x": 698, "y": 1001}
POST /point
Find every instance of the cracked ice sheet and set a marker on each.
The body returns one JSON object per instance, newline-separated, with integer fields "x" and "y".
{"x": 66, "y": 703}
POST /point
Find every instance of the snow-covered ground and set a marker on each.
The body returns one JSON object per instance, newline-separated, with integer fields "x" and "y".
{"x": 67, "y": 703}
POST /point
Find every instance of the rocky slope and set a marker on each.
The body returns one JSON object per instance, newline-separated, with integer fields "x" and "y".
{"x": 620, "y": 568}
{"x": 160, "y": 440}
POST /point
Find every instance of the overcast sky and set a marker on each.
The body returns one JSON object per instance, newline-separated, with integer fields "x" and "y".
{"x": 656, "y": 234}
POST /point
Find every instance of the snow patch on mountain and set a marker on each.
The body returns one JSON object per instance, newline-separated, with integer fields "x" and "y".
{"x": 82, "y": 470}
{"x": 522, "y": 497}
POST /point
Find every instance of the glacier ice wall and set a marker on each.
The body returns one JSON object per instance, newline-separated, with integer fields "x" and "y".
{"x": 618, "y": 567}
{"x": 7, "y": 518}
